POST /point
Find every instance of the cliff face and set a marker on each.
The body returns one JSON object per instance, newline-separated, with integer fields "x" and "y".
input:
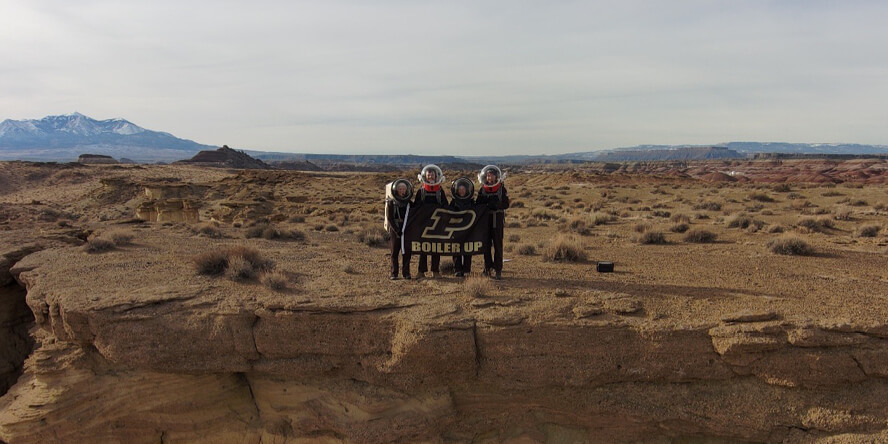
{"x": 190, "y": 359}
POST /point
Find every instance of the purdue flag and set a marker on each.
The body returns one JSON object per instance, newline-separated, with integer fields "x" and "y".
{"x": 438, "y": 230}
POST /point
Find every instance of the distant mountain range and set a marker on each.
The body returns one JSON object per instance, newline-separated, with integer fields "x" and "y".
{"x": 64, "y": 138}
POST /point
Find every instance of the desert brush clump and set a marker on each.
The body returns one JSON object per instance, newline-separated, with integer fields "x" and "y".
{"x": 761, "y": 197}
{"x": 564, "y": 249}
{"x": 275, "y": 280}
{"x": 599, "y": 218}
{"x": 271, "y": 232}
{"x": 477, "y": 287}
{"x": 708, "y": 206}
{"x": 651, "y": 238}
{"x": 374, "y": 237}
{"x": 679, "y": 228}
{"x": 700, "y": 236}
{"x": 867, "y": 231}
{"x": 820, "y": 225}
{"x": 98, "y": 245}
{"x": 578, "y": 225}
{"x": 208, "y": 230}
{"x": 526, "y": 250}
{"x": 791, "y": 246}
{"x": 238, "y": 262}
{"x": 120, "y": 237}
{"x": 744, "y": 221}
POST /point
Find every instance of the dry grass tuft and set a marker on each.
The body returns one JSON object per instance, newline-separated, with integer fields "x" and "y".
{"x": 790, "y": 245}
{"x": 240, "y": 269}
{"x": 708, "y": 206}
{"x": 374, "y": 237}
{"x": 276, "y": 281}
{"x": 761, "y": 197}
{"x": 98, "y": 245}
{"x": 477, "y": 287}
{"x": 867, "y": 231}
{"x": 271, "y": 232}
{"x": 564, "y": 249}
{"x": 121, "y": 237}
{"x": 526, "y": 250}
{"x": 699, "y": 236}
{"x": 679, "y": 228}
{"x": 820, "y": 225}
{"x": 744, "y": 221}
{"x": 208, "y": 230}
{"x": 651, "y": 238}
{"x": 238, "y": 262}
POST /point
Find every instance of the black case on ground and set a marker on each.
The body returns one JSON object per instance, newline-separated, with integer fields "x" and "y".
{"x": 605, "y": 267}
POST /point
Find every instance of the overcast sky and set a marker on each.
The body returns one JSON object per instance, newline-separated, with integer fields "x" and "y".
{"x": 510, "y": 77}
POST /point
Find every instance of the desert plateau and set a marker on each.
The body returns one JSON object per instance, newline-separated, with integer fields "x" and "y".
{"x": 182, "y": 303}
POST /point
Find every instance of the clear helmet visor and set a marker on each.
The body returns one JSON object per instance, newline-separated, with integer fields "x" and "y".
{"x": 402, "y": 190}
{"x": 490, "y": 176}
{"x": 462, "y": 188}
{"x": 431, "y": 175}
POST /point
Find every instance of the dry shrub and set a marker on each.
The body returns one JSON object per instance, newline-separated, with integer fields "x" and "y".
{"x": 744, "y": 221}
{"x": 578, "y": 225}
{"x": 211, "y": 263}
{"x": 679, "y": 228}
{"x": 234, "y": 260}
{"x": 331, "y": 228}
{"x": 526, "y": 249}
{"x": 831, "y": 194}
{"x": 781, "y": 188}
{"x": 240, "y": 269}
{"x": 374, "y": 237}
{"x": 297, "y": 219}
{"x": 121, "y": 237}
{"x": 842, "y": 213}
{"x": 858, "y": 203}
{"x": 816, "y": 225}
{"x": 776, "y": 229}
{"x": 651, "y": 238}
{"x": 598, "y": 218}
{"x": 699, "y": 236}
{"x": 564, "y": 249}
{"x": 477, "y": 287}
{"x": 276, "y": 281}
{"x": 661, "y": 213}
{"x": 642, "y": 227}
{"x": 761, "y": 197}
{"x": 271, "y": 232}
{"x": 708, "y": 206}
{"x": 867, "y": 231}
{"x": 514, "y": 238}
{"x": 680, "y": 218}
{"x": 542, "y": 214}
{"x": 790, "y": 245}
{"x": 98, "y": 245}
{"x": 208, "y": 230}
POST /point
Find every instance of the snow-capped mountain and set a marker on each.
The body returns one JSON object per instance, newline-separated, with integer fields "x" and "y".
{"x": 65, "y": 137}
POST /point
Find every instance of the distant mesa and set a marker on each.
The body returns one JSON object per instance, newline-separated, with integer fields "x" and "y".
{"x": 226, "y": 157}
{"x": 96, "y": 159}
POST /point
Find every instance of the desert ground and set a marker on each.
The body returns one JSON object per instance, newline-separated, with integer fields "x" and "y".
{"x": 749, "y": 303}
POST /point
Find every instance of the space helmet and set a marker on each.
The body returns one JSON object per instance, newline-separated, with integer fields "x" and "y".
{"x": 438, "y": 174}
{"x": 394, "y": 190}
{"x": 499, "y": 175}
{"x": 462, "y": 182}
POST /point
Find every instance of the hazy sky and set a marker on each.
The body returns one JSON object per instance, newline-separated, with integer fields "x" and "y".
{"x": 517, "y": 77}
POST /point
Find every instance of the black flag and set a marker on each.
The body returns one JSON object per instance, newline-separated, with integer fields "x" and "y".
{"x": 438, "y": 230}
